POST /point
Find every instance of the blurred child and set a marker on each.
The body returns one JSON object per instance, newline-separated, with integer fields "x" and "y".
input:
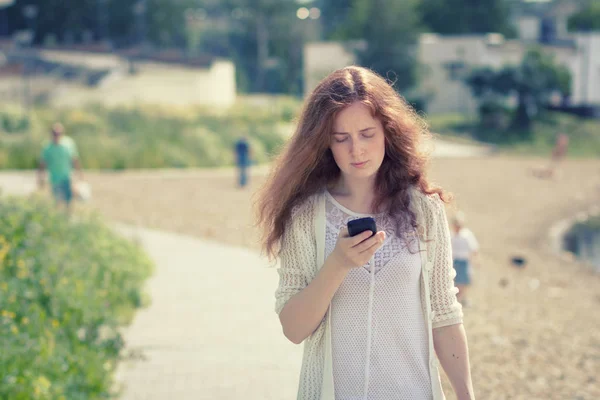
{"x": 464, "y": 248}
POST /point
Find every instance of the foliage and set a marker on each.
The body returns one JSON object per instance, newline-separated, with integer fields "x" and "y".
{"x": 66, "y": 288}
{"x": 153, "y": 137}
{"x": 394, "y": 58}
{"x": 532, "y": 83}
{"x": 455, "y": 17}
{"x": 587, "y": 19}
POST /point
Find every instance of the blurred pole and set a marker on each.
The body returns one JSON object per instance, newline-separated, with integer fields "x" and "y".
{"x": 139, "y": 10}
{"x": 5, "y": 30}
{"x": 139, "y": 13}
{"x": 262, "y": 39}
{"x": 585, "y": 67}
{"x": 103, "y": 27}
{"x": 4, "y": 4}
{"x": 30, "y": 13}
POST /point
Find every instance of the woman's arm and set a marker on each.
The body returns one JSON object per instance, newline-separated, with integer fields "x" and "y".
{"x": 302, "y": 302}
{"x": 449, "y": 336}
{"x": 303, "y": 313}
{"x": 451, "y": 347}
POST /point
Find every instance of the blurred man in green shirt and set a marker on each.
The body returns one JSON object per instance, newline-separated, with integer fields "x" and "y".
{"x": 60, "y": 156}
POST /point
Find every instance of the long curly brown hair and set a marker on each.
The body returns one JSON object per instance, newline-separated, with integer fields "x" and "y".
{"x": 306, "y": 165}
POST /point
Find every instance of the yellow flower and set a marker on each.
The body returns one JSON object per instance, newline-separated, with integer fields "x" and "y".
{"x": 41, "y": 386}
{"x": 21, "y": 264}
{"x": 25, "y": 321}
{"x": 14, "y": 329}
{"x": 8, "y": 314}
{"x": 4, "y": 286}
{"x": 55, "y": 323}
{"x": 22, "y": 274}
{"x": 4, "y": 248}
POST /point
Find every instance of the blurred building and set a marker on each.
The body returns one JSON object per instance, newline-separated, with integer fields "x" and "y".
{"x": 74, "y": 76}
{"x": 543, "y": 21}
{"x": 447, "y": 59}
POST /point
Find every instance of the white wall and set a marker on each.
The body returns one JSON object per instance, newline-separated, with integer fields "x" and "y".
{"x": 528, "y": 27}
{"x": 157, "y": 83}
{"x": 586, "y": 69}
{"x": 436, "y": 53}
{"x": 322, "y": 58}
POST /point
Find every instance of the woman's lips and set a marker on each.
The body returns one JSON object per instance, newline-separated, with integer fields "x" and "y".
{"x": 360, "y": 164}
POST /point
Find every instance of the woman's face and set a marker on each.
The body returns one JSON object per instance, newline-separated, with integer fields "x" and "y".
{"x": 357, "y": 142}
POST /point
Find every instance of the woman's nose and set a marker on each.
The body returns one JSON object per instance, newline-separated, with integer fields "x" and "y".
{"x": 357, "y": 148}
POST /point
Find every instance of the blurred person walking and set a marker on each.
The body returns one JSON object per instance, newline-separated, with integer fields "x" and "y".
{"x": 559, "y": 152}
{"x": 242, "y": 160}
{"x": 59, "y": 157}
{"x": 464, "y": 248}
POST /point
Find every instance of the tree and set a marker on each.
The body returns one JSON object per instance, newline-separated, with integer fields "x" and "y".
{"x": 390, "y": 29}
{"x": 452, "y": 17}
{"x": 335, "y": 13}
{"x": 533, "y": 82}
{"x": 69, "y": 20}
{"x": 265, "y": 44}
{"x": 587, "y": 19}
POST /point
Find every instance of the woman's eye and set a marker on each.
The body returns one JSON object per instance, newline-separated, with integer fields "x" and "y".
{"x": 368, "y": 135}
{"x": 341, "y": 140}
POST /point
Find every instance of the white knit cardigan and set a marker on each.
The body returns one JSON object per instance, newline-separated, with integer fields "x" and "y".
{"x": 302, "y": 255}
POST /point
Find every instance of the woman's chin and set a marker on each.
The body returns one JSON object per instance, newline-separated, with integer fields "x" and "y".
{"x": 360, "y": 174}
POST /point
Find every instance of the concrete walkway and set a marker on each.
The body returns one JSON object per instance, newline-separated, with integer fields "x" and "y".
{"x": 210, "y": 331}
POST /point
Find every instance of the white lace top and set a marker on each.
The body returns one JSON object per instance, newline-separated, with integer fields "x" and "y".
{"x": 303, "y": 253}
{"x": 379, "y": 335}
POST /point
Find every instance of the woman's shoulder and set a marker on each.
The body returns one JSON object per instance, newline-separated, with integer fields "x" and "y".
{"x": 428, "y": 201}
{"x": 307, "y": 206}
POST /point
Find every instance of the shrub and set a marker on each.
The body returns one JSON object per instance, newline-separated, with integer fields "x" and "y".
{"x": 66, "y": 287}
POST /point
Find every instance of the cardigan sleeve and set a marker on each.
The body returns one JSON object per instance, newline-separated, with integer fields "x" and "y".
{"x": 297, "y": 254}
{"x": 446, "y": 308}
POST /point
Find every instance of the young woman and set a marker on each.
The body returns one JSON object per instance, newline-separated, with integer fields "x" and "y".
{"x": 372, "y": 310}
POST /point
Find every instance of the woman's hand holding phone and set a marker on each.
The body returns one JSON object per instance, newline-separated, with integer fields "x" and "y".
{"x": 355, "y": 251}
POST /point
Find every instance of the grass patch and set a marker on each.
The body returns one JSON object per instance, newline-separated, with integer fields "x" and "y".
{"x": 584, "y": 134}
{"x": 149, "y": 136}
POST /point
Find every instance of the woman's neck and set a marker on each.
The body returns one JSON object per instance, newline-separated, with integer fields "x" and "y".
{"x": 356, "y": 195}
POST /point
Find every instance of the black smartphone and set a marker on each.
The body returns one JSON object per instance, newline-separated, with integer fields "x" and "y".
{"x": 360, "y": 225}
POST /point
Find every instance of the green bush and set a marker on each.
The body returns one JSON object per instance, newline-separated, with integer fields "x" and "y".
{"x": 66, "y": 287}
{"x": 13, "y": 121}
